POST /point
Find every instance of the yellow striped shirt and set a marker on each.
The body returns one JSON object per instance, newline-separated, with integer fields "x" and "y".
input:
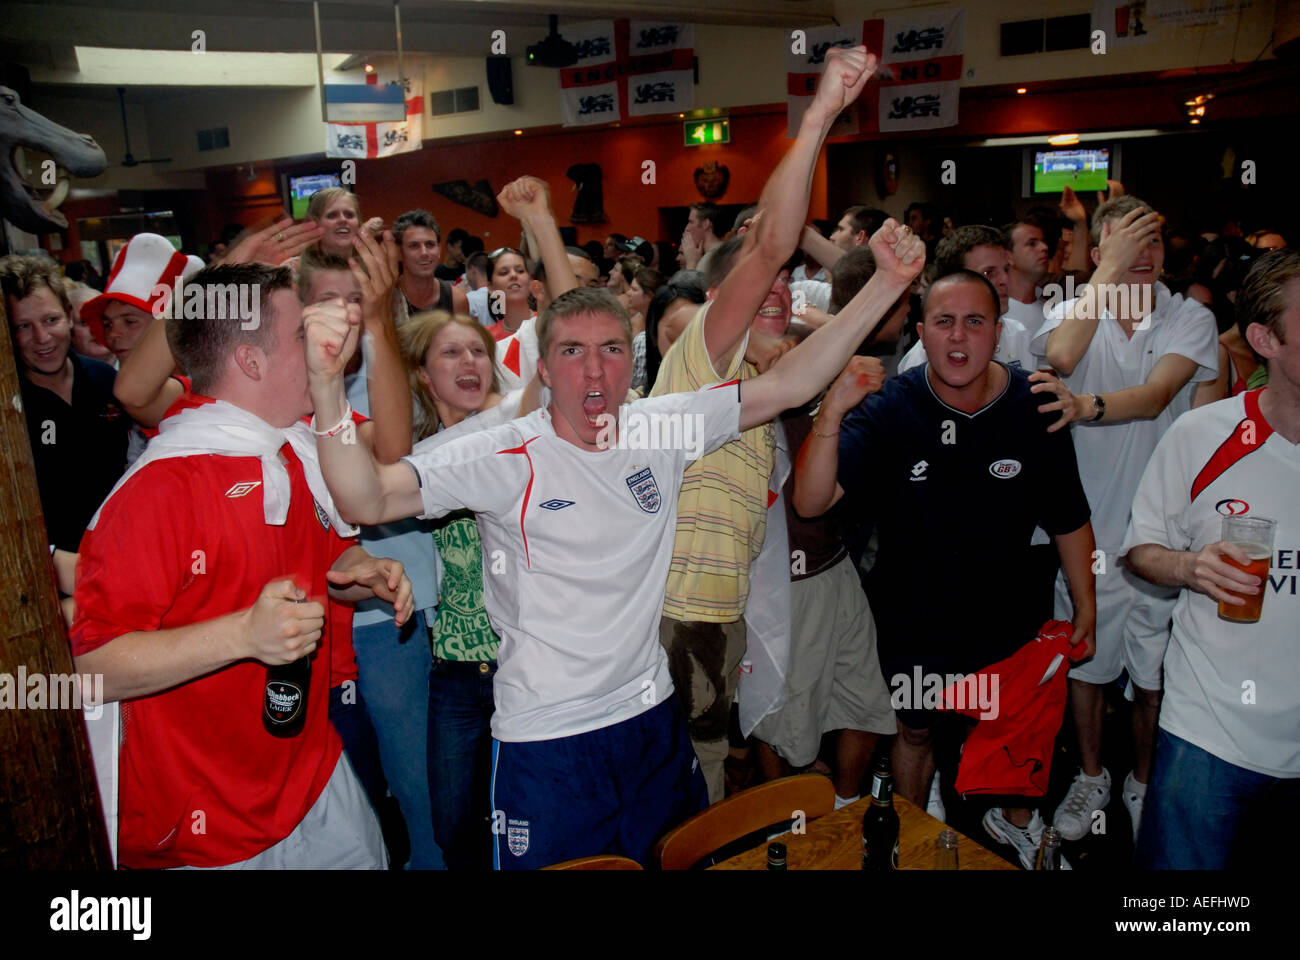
{"x": 722, "y": 507}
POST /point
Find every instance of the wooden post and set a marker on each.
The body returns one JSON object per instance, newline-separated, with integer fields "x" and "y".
{"x": 50, "y": 815}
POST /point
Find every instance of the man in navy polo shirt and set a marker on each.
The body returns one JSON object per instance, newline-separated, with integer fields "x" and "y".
{"x": 956, "y": 461}
{"x": 77, "y": 430}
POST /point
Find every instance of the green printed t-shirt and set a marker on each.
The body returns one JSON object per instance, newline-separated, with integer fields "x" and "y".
{"x": 461, "y": 630}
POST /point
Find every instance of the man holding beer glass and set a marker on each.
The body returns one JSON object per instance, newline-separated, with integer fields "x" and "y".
{"x": 1217, "y": 498}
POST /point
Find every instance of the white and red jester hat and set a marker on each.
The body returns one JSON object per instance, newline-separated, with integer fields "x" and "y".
{"x": 145, "y": 263}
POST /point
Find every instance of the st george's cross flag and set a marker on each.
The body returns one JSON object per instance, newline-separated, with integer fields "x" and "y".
{"x": 627, "y": 68}
{"x": 368, "y": 109}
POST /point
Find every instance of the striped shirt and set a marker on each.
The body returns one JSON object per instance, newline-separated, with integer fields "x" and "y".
{"x": 722, "y": 507}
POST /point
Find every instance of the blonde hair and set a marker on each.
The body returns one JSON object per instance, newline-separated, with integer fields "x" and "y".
{"x": 416, "y": 337}
{"x": 313, "y": 261}
{"x": 321, "y": 199}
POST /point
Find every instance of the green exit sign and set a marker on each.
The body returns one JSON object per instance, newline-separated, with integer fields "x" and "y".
{"x": 698, "y": 132}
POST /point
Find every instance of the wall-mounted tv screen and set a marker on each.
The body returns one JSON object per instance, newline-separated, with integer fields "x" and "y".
{"x": 301, "y": 189}
{"x": 1079, "y": 168}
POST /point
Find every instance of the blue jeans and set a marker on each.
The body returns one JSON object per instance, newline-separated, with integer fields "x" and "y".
{"x": 460, "y": 757}
{"x": 393, "y": 668}
{"x": 1196, "y": 805}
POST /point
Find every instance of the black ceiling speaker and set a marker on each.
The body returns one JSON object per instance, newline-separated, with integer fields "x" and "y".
{"x": 501, "y": 82}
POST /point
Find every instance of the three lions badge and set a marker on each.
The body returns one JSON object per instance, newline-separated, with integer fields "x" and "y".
{"x": 645, "y": 491}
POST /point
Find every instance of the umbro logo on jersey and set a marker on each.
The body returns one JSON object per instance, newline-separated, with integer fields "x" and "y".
{"x": 1004, "y": 469}
{"x": 1232, "y": 508}
{"x": 243, "y": 489}
{"x": 918, "y": 471}
{"x": 556, "y": 504}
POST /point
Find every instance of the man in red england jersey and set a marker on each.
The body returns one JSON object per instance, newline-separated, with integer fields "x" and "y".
{"x": 211, "y": 560}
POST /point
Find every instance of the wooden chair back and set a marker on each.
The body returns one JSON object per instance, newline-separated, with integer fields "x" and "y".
{"x": 741, "y": 814}
{"x": 601, "y": 861}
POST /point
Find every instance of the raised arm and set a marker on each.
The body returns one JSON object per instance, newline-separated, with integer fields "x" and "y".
{"x": 807, "y": 368}
{"x": 144, "y": 386}
{"x": 1119, "y": 248}
{"x": 364, "y": 490}
{"x": 386, "y": 384}
{"x": 816, "y": 472}
{"x": 819, "y": 248}
{"x": 1072, "y": 209}
{"x": 784, "y": 206}
{"x": 528, "y": 199}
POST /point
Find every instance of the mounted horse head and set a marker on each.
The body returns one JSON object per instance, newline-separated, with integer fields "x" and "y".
{"x": 77, "y": 153}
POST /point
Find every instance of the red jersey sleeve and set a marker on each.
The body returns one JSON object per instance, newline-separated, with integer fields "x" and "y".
{"x": 137, "y": 559}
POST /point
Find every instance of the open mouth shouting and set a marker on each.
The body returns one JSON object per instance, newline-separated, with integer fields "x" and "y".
{"x": 593, "y": 406}
{"x": 470, "y": 383}
{"x": 958, "y": 358}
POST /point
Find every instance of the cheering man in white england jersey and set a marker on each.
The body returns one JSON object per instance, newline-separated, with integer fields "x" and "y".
{"x": 591, "y": 752}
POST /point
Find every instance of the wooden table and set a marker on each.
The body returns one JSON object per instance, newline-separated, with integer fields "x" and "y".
{"x": 834, "y": 842}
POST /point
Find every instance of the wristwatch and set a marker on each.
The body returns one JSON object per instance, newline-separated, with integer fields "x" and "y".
{"x": 1100, "y": 403}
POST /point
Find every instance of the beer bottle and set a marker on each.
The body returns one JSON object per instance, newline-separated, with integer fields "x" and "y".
{"x": 284, "y": 700}
{"x": 1049, "y": 850}
{"x": 776, "y": 856}
{"x": 880, "y": 825}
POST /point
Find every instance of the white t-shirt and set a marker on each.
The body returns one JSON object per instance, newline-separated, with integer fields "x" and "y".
{"x": 815, "y": 293}
{"x": 478, "y": 305}
{"x": 1112, "y": 456}
{"x": 801, "y": 273}
{"x": 517, "y": 356}
{"x": 576, "y": 549}
{"x": 1231, "y": 689}
{"x": 1013, "y": 348}
{"x": 1029, "y": 315}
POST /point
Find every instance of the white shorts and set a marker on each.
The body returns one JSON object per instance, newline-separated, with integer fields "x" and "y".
{"x": 339, "y": 832}
{"x": 1134, "y": 617}
{"x": 834, "y": 682}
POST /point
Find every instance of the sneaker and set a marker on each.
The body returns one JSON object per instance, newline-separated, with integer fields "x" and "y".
{"x": 934, "y": 806}
{"x": 1133, "y": 796}
{"x": 1086, "y": 796}
{"x": 1025, "y": 839}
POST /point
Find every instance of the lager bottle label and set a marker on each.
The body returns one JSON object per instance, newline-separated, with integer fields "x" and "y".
{"x": 283, "y": 699}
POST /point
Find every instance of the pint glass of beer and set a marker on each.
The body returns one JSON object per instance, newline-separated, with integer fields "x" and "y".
{"x": 1254, "y": 535}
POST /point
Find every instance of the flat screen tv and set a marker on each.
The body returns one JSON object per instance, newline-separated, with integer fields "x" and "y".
{"x": 301, "y": 188}
{"x": 1080, "y": 168}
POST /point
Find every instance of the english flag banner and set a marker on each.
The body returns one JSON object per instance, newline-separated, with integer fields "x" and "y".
{"x": 371, "y": 133}
{"x": 916, "y": 86}
{"x": 627, "y": 68}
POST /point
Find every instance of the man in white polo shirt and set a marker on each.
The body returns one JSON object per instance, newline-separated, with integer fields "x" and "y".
{"x": 591, "y": 752}
{"x": 1230, "y": 721}
{"x": 1129, "y": 350}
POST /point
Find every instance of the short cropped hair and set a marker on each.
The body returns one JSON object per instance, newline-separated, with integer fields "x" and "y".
{"x": 575, "y": 303}
{"x": 21, "y": 276}
{"x": 314, "y": 261}
{"x": 864, "y": 218}
{"x": 202, "y": 345}
{"x": 1263, "y": 297}
{"x": 415, "y": 218}
{"x": 964, "y": 276}
{"x": 1114, "y": 209}
{"x": 950, "y": 251}
{"x": 706, "y": 211}
{"x": 850, "y": 274}
{"x": 722, "y": 259}
{"x": 742, "y": 216}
